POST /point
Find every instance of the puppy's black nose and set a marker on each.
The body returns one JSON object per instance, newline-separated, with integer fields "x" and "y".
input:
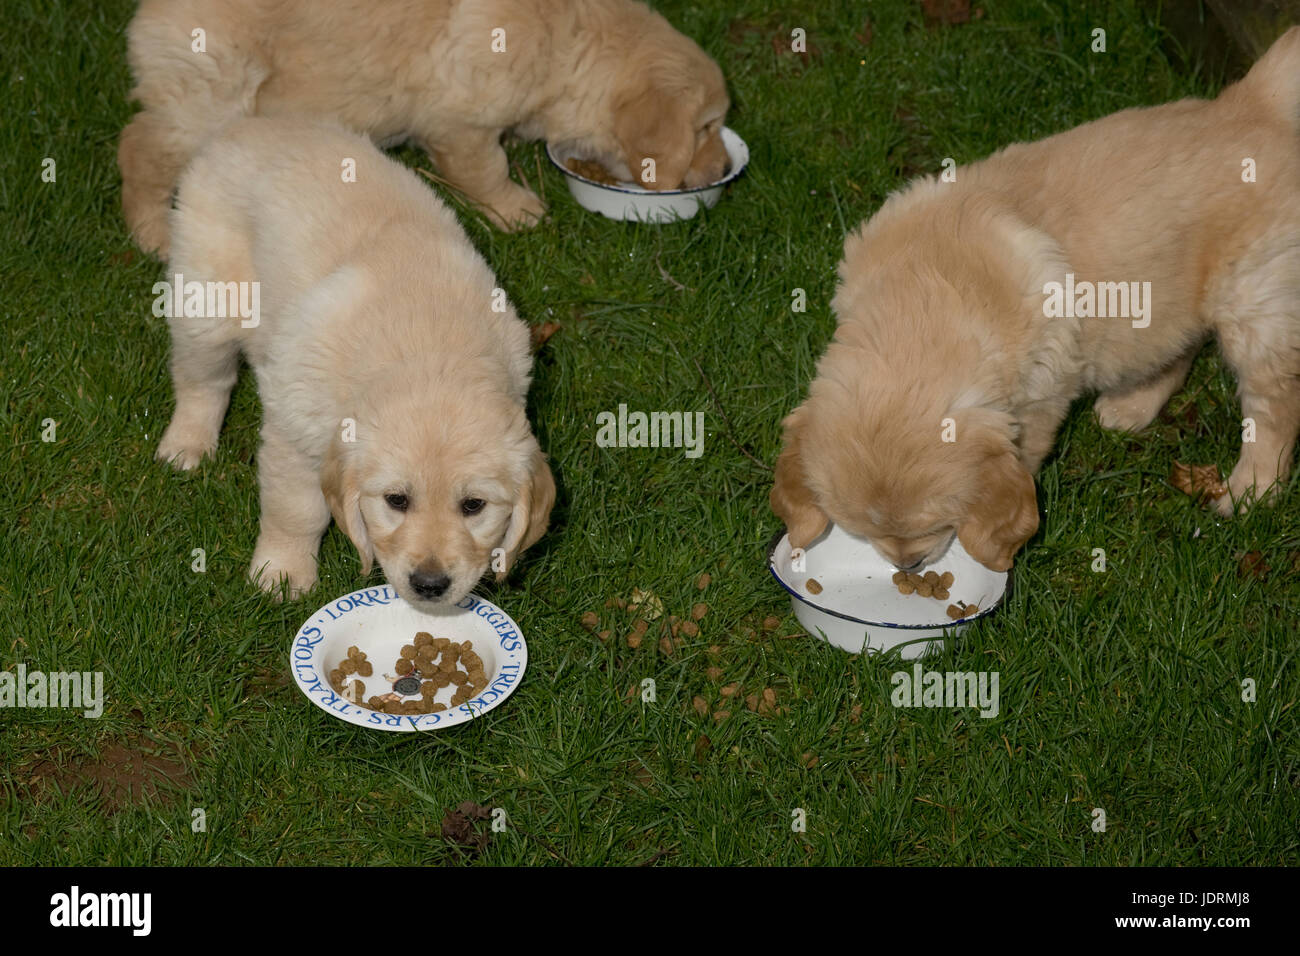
{"x": 913, "y": 566}
{"x": 429, "y": 586}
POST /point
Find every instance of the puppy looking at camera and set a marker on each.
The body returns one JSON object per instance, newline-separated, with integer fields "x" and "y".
{"x": 955, "y": 362}
{"x": 606, "y": 80}
{"x": 392, "y": 372}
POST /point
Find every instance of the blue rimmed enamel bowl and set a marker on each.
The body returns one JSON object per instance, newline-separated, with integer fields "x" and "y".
{"x": 855, "y": 605}
{"x": 632, "y": 202}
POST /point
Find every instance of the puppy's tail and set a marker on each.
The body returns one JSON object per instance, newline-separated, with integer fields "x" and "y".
{"x": 1275, "y": 77}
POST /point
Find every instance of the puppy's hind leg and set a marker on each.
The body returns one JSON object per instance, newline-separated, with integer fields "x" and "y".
{"x": 203, "y": 374}
{"x": 211, "y": 247}
{"x": 1134, "y": 409}
{"x": 1261, "y": 341}
{"x": 150, "y": 155}
{"x": 294, "y": 516}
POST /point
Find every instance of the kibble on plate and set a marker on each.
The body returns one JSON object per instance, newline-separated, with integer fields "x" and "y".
{"x": 434, "y": 661}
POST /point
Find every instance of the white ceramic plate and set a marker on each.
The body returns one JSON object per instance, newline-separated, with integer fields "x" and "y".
{"x": 859, "y": 607}
{"x": 379, "y": 622}
{"x": 632, "y": 202}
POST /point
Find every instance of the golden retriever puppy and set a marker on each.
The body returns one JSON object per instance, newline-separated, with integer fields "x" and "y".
{"x": 972, "y": 313}
{"x": 392, "y": 371}
{"x": 610, "y": 80}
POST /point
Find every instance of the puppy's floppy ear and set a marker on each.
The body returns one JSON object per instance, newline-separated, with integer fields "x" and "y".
{"x": 655, "y": 124}
{"x": 1004, "y": 515}
{"x": 338, "y": 480}
{"x": 791, "y": 498}
{"x": 532, "y": 510}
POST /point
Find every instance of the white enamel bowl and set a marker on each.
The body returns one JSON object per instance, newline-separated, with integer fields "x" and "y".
{"x": 860, "y": 608}
{"x": 631, "y": 202}
{"x": 379, "y": 622}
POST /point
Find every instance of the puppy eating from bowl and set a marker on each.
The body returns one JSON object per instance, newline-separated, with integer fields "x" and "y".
{"x": 972, "y": 312}
{"x": 610, "y": 81}
{"x": 392, "y": 371}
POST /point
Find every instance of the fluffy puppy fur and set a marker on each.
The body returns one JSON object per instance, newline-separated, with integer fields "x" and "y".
{"x": 941, "y": 310}
{"x": 392, "y": 391}
{"x": 609, "y": 80}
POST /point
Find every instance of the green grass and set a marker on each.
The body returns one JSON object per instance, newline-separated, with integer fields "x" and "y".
{"x": 1119, "y": 690}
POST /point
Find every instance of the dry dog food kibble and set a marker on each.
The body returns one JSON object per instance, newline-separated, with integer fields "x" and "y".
{"x": 932, "y": 584}
{"x": 436, "y": 662}
{"x": 591, "y": 170}
{"x": 814, "y": 586}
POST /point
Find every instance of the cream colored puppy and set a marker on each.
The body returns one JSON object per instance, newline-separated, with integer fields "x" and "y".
{"x": 392, "y": 371}
{"x": 972, "y": 313}
{"x": 609, "y": 80}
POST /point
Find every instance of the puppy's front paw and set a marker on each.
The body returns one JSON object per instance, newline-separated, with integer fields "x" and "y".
{"x": 183, "y": 448}
{"x": 514, "y": 209}
{"x": 271, "y": 571}
{"x": 1125, "y": 413}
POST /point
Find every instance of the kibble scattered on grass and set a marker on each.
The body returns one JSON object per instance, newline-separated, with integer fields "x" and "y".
{"x": 699, "y": 610}
{"x": 701, "y": 705}
{"x": 647, "y": 602}
{"x": 703, "y": 581}
{"x": 590, "y": 619}
{"x": 1252, "y": 564}
{"x": 1202, "y": 482}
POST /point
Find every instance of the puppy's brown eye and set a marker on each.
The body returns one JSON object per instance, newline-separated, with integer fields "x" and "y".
{"x": 398, "y": 502}
{"x": 472, "y": 506}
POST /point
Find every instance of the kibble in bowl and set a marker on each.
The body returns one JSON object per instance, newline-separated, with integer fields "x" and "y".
{"x": 371, "y": 659}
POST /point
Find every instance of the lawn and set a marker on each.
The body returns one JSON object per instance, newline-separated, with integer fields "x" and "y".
{"x": 1161, "y": 691}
